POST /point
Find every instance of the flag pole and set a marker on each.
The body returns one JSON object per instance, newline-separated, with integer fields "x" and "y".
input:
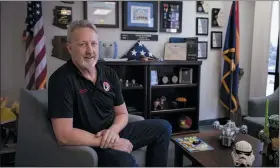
{"x": 230, "y": 83}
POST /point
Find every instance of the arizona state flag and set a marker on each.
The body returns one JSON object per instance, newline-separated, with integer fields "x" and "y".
{"x": 230, "y": 79}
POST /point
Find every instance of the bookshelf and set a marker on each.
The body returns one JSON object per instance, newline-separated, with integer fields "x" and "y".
{"x": 140, "y": 99}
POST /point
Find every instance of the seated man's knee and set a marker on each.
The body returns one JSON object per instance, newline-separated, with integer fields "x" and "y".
{"x": 126, "y": 160}
{"x": 164, "y": 125}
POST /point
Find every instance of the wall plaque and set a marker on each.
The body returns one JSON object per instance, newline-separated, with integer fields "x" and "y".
{"x": 142, "y": 37}
{"x": 62, "y": 16}
{"x": 60, "y": 50}
{"x": 192, "y": 48}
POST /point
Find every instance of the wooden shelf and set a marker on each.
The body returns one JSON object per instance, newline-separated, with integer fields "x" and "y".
{"x": 179, "y": 110}
{"x": 132, "y": 88}
{"x": 174, "y": 85}
{"x": 190, "y": 131}
{"x": 141, "y": 72}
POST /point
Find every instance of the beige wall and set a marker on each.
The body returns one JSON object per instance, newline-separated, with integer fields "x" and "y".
{"x": 13, "y": 59}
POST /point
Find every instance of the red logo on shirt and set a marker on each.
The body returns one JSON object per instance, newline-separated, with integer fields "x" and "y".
{"x": 83, "y": 91}
{"x": 106, "y": 86}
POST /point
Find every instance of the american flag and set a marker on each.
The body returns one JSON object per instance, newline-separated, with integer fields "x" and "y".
{"x": 137, "y": 51}
{"x": 35, "y": 49}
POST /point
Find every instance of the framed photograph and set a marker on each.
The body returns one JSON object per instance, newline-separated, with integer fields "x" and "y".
{"x": 102, "y": 13}
{"x": 202, "y": 7}
{"x": 202, "y": 51}
{"x": 185, "y": 75}
{"x": 217, "y": 17}
{"x": 154, "y": 77}
{"x": 171, "y": 16}
{"x": 201, "y": 26}
{"x": 216, "y": 39}
{"x": 140, "y": 16}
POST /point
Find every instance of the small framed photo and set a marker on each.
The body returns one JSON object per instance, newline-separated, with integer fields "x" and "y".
{"x": 216, "y": 39}
{"x": 202, "y": 26}
{"x": 202, "y": 51}
{"x": 202, "y": 7}
{"x": 140, "y": 16}
{"x": 154, "y": 77}
{"x": 171, "y": 16}
{"x": 103, "y": 13}
{"x": 185, "y": 75}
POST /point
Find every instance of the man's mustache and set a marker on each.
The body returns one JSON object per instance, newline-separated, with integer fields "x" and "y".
{"x": 90, "y": 56}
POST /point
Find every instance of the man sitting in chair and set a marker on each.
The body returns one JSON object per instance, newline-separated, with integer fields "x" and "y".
{"x": 87, "y": 107}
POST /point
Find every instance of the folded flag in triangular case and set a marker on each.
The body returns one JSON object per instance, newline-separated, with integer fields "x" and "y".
{"x": 137, "y": 51}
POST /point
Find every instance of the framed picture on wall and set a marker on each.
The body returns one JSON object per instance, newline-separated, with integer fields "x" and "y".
{"x": 216, "y": 39}
{"x": 171, "y": 16}
{"x": 140, "y": 16}
{"x": 202, "y": 7}
{"x": 202, "y": 51}
{"x": 217, "y": 17}
{"x": 201, "y": 26}
{"x": 102, "y": 13}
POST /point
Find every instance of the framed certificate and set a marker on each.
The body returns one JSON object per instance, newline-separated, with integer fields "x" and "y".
{"x": 202, "y": 26}
{"x": 102, "y": 14}
{"x": 202, "y": 50}
{"x": 216, "y": 39}
{"x": 175, "y": 51}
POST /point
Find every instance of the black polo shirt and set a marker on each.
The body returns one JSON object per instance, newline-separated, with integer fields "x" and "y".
{"x": 70, "y": 95}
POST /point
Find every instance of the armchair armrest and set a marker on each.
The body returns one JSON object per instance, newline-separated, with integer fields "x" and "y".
{"x": 133, "y": 118}
{"x": 256, "y": 106}
{"x": 80, "y": 156}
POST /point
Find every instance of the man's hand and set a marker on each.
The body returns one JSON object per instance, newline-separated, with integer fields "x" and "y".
{"x": 109, "y": 138}
{"x": 123, "y": 145}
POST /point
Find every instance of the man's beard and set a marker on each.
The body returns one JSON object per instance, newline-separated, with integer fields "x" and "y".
{"x": 88, "y": 61}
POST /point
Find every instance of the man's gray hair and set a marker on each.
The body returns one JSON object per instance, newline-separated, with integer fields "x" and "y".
{"x": 79, "y": 24}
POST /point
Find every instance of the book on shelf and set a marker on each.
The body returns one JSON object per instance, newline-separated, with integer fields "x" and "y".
{"x": 187, "y": 143}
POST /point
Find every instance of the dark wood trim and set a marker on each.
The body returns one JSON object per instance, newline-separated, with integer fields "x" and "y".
{"x": 103, "y": 25}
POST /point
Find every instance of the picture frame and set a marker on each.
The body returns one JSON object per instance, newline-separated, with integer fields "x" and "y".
{"x": 185, "y": 75}
{"x": 216, "y": 39}
{"x": 103, "y": 14}
{"x": 140, "y": 16}
{"x": 217, "y": 18}
{"x": 154, "y": 77}
{"x": 202, "y": 7}
{"x": 202, "y": 26}
{"x": 202, "y": 51}
{"x": 171, "y": 16}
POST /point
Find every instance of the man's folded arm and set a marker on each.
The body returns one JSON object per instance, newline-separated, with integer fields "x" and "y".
{"x": 67, "y": 135}
{"x": 61, "y": 97}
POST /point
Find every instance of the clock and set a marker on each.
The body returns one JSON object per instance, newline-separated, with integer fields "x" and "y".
{"x": 174, "y": 79}
{"x": 165, "y": 80}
